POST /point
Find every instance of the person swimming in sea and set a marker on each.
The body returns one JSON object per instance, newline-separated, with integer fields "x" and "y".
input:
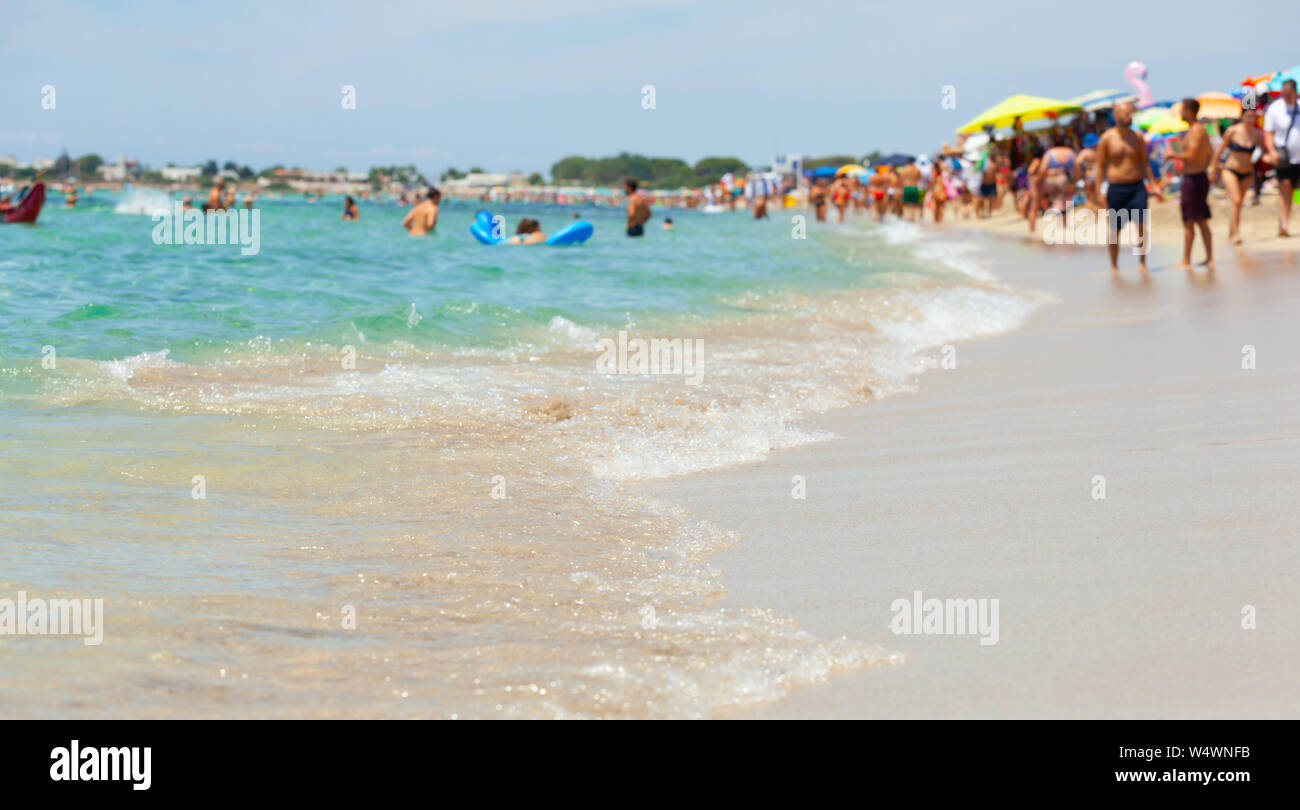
{"x": 423, "y": 218}
{"x": 70, "y": 199}
{"x": 668, "y": 224}
{"x": 638, "y": 209}
{"x": 214, "y": 196}
{"x": 350, "y": 210}
{"x": 529, "y": 232}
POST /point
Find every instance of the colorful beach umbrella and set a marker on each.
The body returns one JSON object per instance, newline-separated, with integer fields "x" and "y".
{"x": 850, "y": 168}
{"x": 1102, "y": 99}
{"x": 1263, "y": 78}
{"x": 1166, "y": 124}
{"x": 1275, "y": 83}
{"x": 1143, "y": 119}
{"x": 1218, "y": 105}
{"x": 1026, "y": 108}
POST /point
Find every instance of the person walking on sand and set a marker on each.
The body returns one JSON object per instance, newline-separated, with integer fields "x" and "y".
{"x": 1034, "y": 175}
{"x": 1122, "y": 164}
{"x": 423, "y": 217}
{"x": 1239, "y": 141}
{"x": 1194, "y": 195}
{"x": 1058, "y": 174}
{"x": 1282, "y": 124}
{"x": 638, "y": 209}
{"x": 1085, "y": 171}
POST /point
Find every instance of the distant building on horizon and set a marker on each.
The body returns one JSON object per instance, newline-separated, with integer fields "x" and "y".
{"x": 181, "y": 174}
{"x": 119, "y": 172}
{"x": 487, "y": 180}
{"x": 788, "y": 164}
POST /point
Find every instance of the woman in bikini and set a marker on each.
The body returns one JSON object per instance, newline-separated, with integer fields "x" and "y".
{"x": 1240, "y": 141}
{"x": 840, "y": 197}
{"x": 938, "y": 190}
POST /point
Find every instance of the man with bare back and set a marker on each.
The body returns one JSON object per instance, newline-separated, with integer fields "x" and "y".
{"x": 1122, "y": 164}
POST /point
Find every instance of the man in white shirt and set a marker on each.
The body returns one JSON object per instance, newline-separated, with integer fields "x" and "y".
{"x": 1282, "y": 142}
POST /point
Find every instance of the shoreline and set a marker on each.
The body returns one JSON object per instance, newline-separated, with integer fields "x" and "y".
{"x": 1258, "y": 228}
{"x": 977, "y": 485}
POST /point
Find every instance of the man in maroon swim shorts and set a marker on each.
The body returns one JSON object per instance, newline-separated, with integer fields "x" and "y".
{"x": 1194, "y": 203}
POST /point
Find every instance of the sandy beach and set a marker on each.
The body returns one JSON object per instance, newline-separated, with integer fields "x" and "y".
{"x": 981, "y": 483}
{"x": 1258, "y": 226}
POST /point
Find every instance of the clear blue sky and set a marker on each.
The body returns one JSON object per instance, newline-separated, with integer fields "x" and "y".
{"x": 517, "y": 85}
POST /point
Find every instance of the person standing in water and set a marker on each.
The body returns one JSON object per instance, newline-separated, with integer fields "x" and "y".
{"x": 1240, "y": 141}
{"x": 214, "y": 195}
{"x": 638, "y": 209}
{"x": 817, "y": 198}
{"x": 423, "y": 218}
{"x": 910, "y": 175}
{"x": 1194, "y": 195}
{"x": 350, "y": 210}
{"x": 1122, "y": 164}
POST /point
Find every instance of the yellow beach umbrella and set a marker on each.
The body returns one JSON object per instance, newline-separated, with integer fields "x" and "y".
{"x": 1026, "y": 108}
{"x": 1167, "y": 123}
{"x": 1143, "y": 119}
{"x": 850, "y": 168}
{"x": 1218, "y": 105}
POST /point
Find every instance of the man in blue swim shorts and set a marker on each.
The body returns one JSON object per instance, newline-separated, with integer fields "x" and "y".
{"x": 1122, "y": 163}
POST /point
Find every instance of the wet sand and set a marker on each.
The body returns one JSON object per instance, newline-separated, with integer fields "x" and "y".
{"x": 980, "y": 484}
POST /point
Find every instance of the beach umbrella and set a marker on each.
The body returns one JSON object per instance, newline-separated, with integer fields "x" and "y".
{"x": 1101, "y": 99}
{"x": 1275, "y": 83}
{"x": 894, "y": 160}
{"x": 850, "y": 168}
{"x": 1143, "y": 119}
{"x": 1026, "y": 108}
{"x": 1166, "y": 124}
{"x": 824, "y": 171}
{"x": 1218, "y": 105}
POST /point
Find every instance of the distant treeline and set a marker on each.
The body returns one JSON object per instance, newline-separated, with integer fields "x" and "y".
{"x": 653, "y": 172}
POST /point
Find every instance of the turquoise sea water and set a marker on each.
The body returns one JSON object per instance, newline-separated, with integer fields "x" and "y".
{"x": 92, "y": 282}
{"x": 237, "y": 453}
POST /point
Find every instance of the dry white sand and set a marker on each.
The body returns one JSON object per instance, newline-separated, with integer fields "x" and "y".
{"x": 980, "y": 485}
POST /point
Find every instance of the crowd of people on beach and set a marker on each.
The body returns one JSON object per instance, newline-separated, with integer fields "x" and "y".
{"x": 1096, "y": 163}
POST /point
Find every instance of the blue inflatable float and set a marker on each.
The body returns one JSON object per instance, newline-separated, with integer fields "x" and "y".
{"x": 482, "y": 229}
{"x": 573, "y": 234}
